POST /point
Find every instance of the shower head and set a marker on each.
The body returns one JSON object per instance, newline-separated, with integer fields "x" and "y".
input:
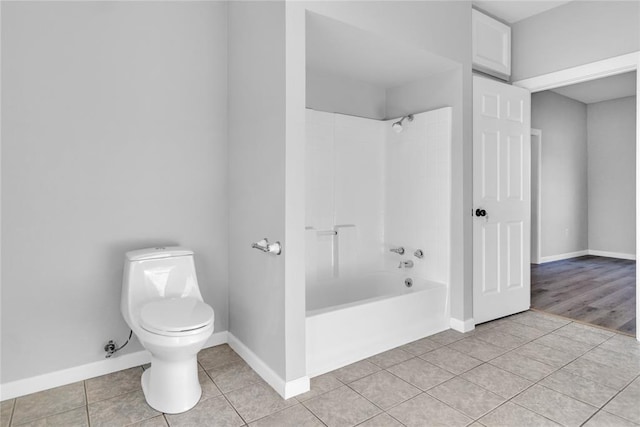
{"x": 397, "y": 126}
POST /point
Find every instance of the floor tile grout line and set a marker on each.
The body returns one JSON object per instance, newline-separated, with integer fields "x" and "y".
{"x": 13, "y": 410}
{"x": 613, "y": 397}
{"x": 365, "y": 398}
{"x": 85, "y": 405}
{"x": 224, "y": 394}
{"x": 313, "y": 413}
{"x": 311, "y": 410}
{"x": 437, "y": 385}
{"x": 555, "y": 371}
{"x": 86, "y": 402}
{"x": 234, "y": 408}
{"x": 445, "y": 403}
{"x": 284, "y": 409}
{"x": 543, "y": 416}
{"x": 598, "y": 409}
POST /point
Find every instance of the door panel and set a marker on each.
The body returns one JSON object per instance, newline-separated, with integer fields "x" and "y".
{"x": 490, "y": 165}
{"x": 501, "y": 171}
{"x": 491, "y": 258}
{"x": 515, "y": 167}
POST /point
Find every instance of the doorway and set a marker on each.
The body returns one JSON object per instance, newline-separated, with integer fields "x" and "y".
{"x": 583, "y": 202}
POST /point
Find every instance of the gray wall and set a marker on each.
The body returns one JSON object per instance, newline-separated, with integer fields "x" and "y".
{"x": 114, "y": 138}
{"x": 611, "y": 127}
{"x": 576, "y": 33}
{"x": 563, "y": 122}
{"x": 257, "y": 177}
{"x": 338, "y": 94}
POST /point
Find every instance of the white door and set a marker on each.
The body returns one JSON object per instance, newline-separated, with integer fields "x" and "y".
{"x": 502, "y": 199}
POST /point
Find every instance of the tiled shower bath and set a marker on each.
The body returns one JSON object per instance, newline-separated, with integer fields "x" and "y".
{"x": 371, "y": 190}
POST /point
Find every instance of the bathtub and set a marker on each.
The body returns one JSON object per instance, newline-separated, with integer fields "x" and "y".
{"x": 350, "y": 320}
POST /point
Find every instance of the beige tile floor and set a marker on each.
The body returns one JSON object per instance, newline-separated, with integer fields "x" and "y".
{"x": 530, "y": 369}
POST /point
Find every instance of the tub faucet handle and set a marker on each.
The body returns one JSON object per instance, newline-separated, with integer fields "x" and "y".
{"x": 399, "y": 250}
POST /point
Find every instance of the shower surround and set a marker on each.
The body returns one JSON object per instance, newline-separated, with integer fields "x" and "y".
{"x": 371, "y": 189}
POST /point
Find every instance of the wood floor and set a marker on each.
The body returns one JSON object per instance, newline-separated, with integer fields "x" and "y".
{"x": 590, "y": 289}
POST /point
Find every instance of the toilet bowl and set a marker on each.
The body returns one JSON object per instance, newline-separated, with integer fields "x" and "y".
{"x": 162, "y": 304}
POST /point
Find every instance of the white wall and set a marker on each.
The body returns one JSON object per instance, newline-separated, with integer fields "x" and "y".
{"x": 433, "y": 93}
{"x": 611, "y": 127}
{"x": 576, "y": 33}
{"x": 114, "y": 138}
{"x": 394, "y": 187}
{"x": 345, "y": 185}
{"x": 417, "y": 209}
{"x": 563, "y": 122}
{"x": 338, "y": 94}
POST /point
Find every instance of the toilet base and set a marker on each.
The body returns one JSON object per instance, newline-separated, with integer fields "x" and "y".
{"x": 172, "y": 387}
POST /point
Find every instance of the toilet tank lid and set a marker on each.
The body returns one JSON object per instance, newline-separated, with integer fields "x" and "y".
{"x": 158, "y": 252}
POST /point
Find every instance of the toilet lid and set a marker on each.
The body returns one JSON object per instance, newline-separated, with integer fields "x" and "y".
{"x": 175, "y": 315}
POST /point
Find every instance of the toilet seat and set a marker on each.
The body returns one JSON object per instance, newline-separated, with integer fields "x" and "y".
{"x": 175, "y": 316}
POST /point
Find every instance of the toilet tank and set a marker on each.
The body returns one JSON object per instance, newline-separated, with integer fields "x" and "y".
{"x": 155, "y": 273}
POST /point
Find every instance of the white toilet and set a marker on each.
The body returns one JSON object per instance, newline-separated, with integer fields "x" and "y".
{"x": 162, "y": 304}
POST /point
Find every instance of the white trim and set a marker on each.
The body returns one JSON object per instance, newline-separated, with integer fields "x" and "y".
{"x": 71, "y": 375}
{"x": 608, "y": 254}
{"x": 62, "y": 377}
{"x": 594, "y": 252}
{"x": 582, "y": 73}
{"x": 284, "y": 388}
{"x": 559, "y": 257}
{"x": 536, "y": 258}
{"x": 297, "y": 387}
{"x": 217, "y": 339}
{"x": 462, "y": 325}
{"x": 638, "y": 199}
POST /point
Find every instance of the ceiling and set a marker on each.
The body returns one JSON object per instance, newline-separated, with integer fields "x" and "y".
{"x": 512, "y": 11}
{"x": 340, "y": 49}
{"x": 605, "y": 89}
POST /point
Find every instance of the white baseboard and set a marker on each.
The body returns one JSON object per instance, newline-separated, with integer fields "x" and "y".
{"x": 462, "y": 325}
{"x": 217, "y": 339}
{"x": 559, "y": 257}
{"x": 296, "y": 387}
{"x": 593, "y": 252}
{"x": 608, "y": 254}
{"x": 284, "y": 388}
{"x": 62, "y": 377}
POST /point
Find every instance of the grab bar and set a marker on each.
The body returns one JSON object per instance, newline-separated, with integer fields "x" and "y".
{"x": 327, "y": 233}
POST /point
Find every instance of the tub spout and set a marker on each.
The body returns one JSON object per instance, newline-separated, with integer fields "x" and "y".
{"x": 405, "y": 264}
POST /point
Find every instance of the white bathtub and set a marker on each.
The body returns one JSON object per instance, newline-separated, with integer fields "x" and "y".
{"x": 350, "y": 320}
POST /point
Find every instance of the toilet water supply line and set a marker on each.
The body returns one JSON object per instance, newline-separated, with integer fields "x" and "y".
{"x": 111, "y": 349}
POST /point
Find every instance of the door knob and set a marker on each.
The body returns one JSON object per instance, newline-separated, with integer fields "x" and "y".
{"x": 481, "y": 212}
